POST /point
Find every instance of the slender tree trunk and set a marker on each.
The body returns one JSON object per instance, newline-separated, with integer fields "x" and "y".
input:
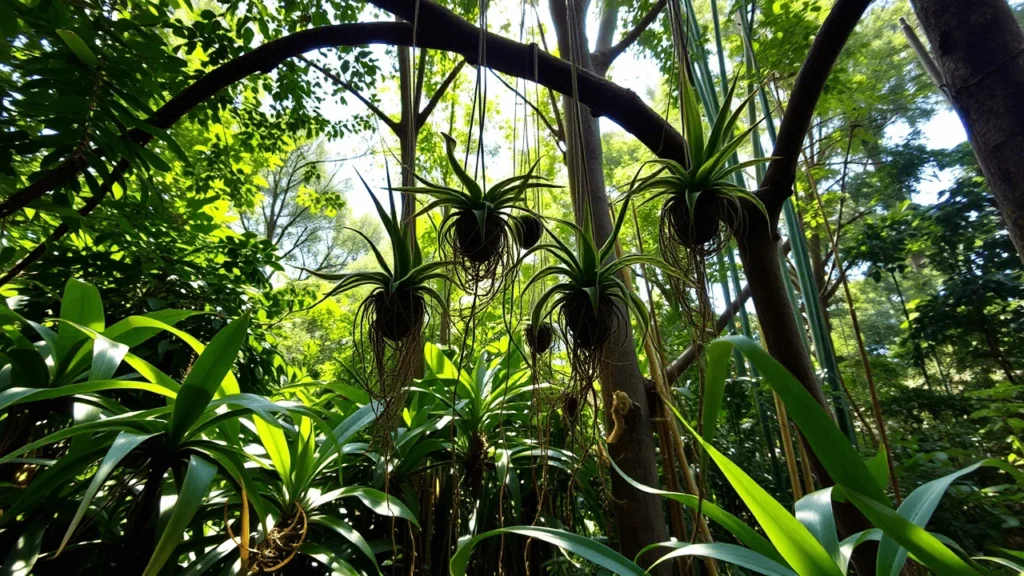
{"x": 639, "y": 518}
{"x": 979, "y": 49}
{"x": 918, "y": 351}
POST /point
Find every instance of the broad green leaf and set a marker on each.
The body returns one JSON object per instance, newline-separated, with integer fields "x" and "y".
{"x": 379, "y": 502}
{"x": 106, "y": 357}
{"x": 81, "y": 305}
{"x": 349, "y": 533}
{"x": 831, "y": 447}
{"x": 918, "y": 509}
{"x": 729, "y": 553}
{"x": 13, "y": 396}
{"x": 793, "y": 541}
{"x": 132, "y": 331}
{"x": 718, "y": 355}
{"x": 581, "y": 546}
{"x": 739, "y": 529}
{"x": 205, "y": 377}
{"x": 79, "y": 47}
{"x": 122, "y": 446}
{"x": 191, "y": 496}
{"x": 927, "y": 549}
{"x": 356, "y": 421}
{"x": 273, "y": 439}
{"x": 815, "y": 512}
{"x": 850, "y": 543}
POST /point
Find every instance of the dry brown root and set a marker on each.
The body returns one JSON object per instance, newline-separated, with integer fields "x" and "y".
{"x": 620, "y": 407}
{"x": 279, "y": 547}
{"x": 387, "y": 367}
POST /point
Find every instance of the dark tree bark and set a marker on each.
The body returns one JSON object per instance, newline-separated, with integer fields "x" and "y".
{"x": 639, "y": 517}
{"x": 979, "y": 49}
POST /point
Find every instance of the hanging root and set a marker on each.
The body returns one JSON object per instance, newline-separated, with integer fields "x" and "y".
{"x": 473, "y": 273}
{"x": 394, "y": 364}
{"x": 620, "y": 407}
{"x": 278, "y": 548}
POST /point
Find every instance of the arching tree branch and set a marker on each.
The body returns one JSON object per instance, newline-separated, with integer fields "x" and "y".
{"x": 441, "y": 30}
{"x": 810, "y": 82}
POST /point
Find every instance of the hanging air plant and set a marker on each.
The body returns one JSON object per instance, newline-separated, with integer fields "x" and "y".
{"x": 539, "y": 337}
{"x": 590, "y": 299}
{"x": 390, "y": 318}
{"x": 699, "y": 198}
{"x": 528, "y": 230}
{"x": 478, "y": 228}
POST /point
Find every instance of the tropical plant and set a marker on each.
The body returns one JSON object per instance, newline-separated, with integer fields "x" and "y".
{"x": 478, "y": 225}
{"x": 193, "y": 436}
{"x": 805, "y": 543}
{"x": 590, "y": 296}
{"x": 396, "y": 304}
{"x": 708, "y": 189}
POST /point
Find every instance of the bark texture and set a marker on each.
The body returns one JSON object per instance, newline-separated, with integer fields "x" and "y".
{"x": 639, "y": 517}
{"x": 979, "y": 49}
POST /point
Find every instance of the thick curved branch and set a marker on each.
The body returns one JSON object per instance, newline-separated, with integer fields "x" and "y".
{"x": 603, "y": 58}
{"x": 828, "y": 43}
{"x": 441, "y": 30}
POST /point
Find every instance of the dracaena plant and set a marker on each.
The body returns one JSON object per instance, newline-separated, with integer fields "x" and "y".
{"x": 195, "y": 437}
{"x": 698, "y": 195}
{"x": 306, "y": 493}
{"x": 478, "y": 225}
{"x": 589, "y": 296}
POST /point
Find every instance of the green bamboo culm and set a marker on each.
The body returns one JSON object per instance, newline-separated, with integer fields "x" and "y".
{"x": 710, "y": 99}
{"x": 820, "y": 337}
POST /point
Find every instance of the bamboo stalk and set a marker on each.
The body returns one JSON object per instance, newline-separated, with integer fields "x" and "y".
{"x": 805, "y": 467}
{"x": 243, "y": 550}
{"x": 787, "y": 448}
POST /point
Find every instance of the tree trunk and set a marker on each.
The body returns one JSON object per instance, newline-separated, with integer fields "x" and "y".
{"x": 979, "y": 49}
{"x": 639, "y": 518}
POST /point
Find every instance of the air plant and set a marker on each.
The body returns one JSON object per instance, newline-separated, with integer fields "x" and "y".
{"x": 539, "y": 337}
{"x": 699, "y": 197}
{"x": 590, "y": 296}
{"x": 478, "y": 228}
{"x": 392, "y": 315}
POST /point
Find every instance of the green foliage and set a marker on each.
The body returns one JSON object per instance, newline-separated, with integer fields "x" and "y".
{"x": 711, "y": 171}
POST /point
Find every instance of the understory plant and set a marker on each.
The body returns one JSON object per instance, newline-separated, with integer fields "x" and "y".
{"x": 804, "y": 542}
{"x": 135, "y": 472}
{"x": 479, "y": 227}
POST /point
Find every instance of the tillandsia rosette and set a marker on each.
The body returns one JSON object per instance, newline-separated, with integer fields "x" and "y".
{"x": 590, "y": 299}
{"x": 699, "y": 197}
{"x": 481, "y": 226}
{"x": 392, "y": 315}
